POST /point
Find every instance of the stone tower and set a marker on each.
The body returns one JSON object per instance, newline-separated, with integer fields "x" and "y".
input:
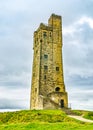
{"x": 48, "y": 89}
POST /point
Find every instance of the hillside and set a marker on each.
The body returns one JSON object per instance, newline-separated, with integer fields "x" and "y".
{"x": 43, "y": 120}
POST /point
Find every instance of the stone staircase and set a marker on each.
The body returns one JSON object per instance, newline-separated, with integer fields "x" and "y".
{"x": 55, "y": 104}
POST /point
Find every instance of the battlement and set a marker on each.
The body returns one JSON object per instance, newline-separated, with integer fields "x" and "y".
{"x": 55, "y": 16}
{"x": 44, "y": 27}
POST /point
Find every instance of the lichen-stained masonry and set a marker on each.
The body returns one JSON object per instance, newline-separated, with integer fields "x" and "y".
{"x": 48, "y": 89}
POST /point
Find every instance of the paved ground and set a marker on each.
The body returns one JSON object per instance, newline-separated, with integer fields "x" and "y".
{"x": 81, "y": 118}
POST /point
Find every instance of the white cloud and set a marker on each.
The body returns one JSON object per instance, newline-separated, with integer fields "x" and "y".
{"x": 80, "y": 98}
{"x": 78, "y": 62}
{"x": 78, "y": 48}
{"x": 75, "y": 27}
{"x": 87, "y": 20}
{"x": 69, "y": 30}
{"x": 14, "y": 98}
{"x": 18, "y": 93}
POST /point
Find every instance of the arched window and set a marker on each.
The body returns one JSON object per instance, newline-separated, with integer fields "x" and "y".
{"x": 57, "y": 89}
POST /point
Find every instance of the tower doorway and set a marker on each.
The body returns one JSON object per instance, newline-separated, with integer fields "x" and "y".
{"x": 62, "y": 103}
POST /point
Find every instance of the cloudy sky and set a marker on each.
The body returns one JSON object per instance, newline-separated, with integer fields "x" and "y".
{"x": 18, "y": 20}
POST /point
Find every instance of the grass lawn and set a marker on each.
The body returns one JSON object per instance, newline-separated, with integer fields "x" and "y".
{"x": 41, "y": 120}
{"x": 47, "y": 126}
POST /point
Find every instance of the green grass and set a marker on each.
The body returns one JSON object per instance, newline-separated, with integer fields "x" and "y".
{"x": 88, "y": 115}
{"x": 47, "y": 126}
{"x": 41, "y": 120}
{"x": 79, "y": 112}
{"x": 85, "y": 114}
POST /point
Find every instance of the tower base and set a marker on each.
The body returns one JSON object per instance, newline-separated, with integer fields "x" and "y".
{"x": 54, "y": 100}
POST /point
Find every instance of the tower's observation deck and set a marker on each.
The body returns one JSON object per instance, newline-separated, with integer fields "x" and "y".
{"x": 48, "y": 89}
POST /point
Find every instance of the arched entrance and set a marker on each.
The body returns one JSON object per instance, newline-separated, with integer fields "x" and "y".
{"x": 62, "y": 103}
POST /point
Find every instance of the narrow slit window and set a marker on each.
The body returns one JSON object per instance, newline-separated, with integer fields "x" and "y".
{"x": 35, "y": 89}
{"x": 45, "y": 56}
{"x": 36, "y": 51}
{"x": 57, "y": 68}
{"x": 44, "y": 76}
{"x": 45, "y": 67}
{"x": 50, "y": 34}
{"x": 40, "y": 40}
{"x": 44, "y": 34}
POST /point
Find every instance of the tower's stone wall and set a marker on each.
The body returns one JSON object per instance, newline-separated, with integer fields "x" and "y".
{"x": 48, "y": 89}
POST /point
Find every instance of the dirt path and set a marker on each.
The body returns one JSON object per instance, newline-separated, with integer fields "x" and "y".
{"x": 81, "y": 118}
